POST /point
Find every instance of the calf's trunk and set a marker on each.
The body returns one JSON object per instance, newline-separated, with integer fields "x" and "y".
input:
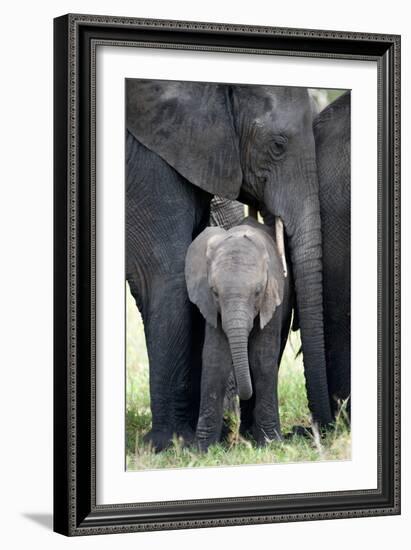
{"x": 238, "y": 341}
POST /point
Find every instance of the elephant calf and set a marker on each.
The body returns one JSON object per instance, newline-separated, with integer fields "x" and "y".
{"x": 238, "y": 280}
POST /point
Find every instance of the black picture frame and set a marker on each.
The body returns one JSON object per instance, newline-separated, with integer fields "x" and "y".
{"x": 75, "y": 40}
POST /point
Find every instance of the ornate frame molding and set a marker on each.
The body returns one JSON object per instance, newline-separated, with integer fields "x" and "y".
{"x": 76, "y": 40}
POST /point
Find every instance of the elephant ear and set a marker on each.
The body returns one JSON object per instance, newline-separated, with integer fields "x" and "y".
{"x": 196, "y": 268}
{"x": 189, "y": 125}
{"x": 274, "y": 290}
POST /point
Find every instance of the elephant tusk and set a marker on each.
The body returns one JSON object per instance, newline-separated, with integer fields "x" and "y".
{"x": 279, "y": 238}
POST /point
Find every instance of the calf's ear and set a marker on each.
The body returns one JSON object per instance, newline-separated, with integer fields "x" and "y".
{"x": 197, "y": 258}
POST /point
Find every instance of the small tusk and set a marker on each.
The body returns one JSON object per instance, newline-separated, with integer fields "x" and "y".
{"x": 279, "y": 238}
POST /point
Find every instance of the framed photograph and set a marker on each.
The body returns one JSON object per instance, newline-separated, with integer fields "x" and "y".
{"x": 227, "y": 276}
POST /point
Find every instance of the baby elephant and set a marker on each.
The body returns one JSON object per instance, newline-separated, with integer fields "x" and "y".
{"x": 238, "y": 280}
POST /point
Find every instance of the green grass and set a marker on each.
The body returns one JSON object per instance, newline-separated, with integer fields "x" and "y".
{"x": 336, "y": 445}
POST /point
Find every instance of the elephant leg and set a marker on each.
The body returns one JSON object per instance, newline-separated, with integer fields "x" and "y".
{"x": 337, "y": 298}
{"x": 171, "y": 348}
{"x": 215, "y": 374}
{"x": 247, "y": 415}
{"x": 332, "y": 137}
{"x": 264, "y": 352}
{"x": 247, "y": 407}
{"x": 163, "y": 214}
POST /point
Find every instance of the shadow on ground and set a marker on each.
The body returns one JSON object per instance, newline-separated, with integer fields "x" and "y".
{"x": 45, "y": 520}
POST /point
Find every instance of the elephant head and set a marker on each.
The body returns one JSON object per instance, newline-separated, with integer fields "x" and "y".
{"x": 236, "y": 274}
{"x": 254, "y": 143}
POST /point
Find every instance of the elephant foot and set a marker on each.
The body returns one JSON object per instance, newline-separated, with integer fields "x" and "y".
{"x": 264, "y": 436}
{"x": 161, "y": 440}
{"x": 201, "y": 445}
{"x": 300, "y": 431}
{"x": 158, "y": 440}
{"x": 205, "y": 438}
{"x": 308, "y": 431}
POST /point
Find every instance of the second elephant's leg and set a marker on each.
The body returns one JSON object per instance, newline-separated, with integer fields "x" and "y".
{"x": 215, "y": 373}
{"x": 173, "y": 360}
{"x": 264, "y": 351}
{"x": 247, "y": 415}
{"x": 164, "y": 212}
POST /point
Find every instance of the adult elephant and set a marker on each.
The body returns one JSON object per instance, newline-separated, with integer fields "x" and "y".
{"x": 332, "y": 131}
{"x": 186, "y": 142}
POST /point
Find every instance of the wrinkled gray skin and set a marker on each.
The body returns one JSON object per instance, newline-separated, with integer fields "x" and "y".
{"x": 186, "y": 142}
{"x": 163, "y": 214}
{"x": 333, "y": 144}
{"x": 237, "y": 281}
{"x": 225, "y": 213}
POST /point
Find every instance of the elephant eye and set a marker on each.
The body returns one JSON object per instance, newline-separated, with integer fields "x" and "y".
{"x": 214, "y": 291}
{"x": 279, "y": 146}
{"x": 258, "y": 290}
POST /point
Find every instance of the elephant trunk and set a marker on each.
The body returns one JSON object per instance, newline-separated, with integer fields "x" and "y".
{"x": 306, "y": 256}
{"x": 238, "y": 341}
